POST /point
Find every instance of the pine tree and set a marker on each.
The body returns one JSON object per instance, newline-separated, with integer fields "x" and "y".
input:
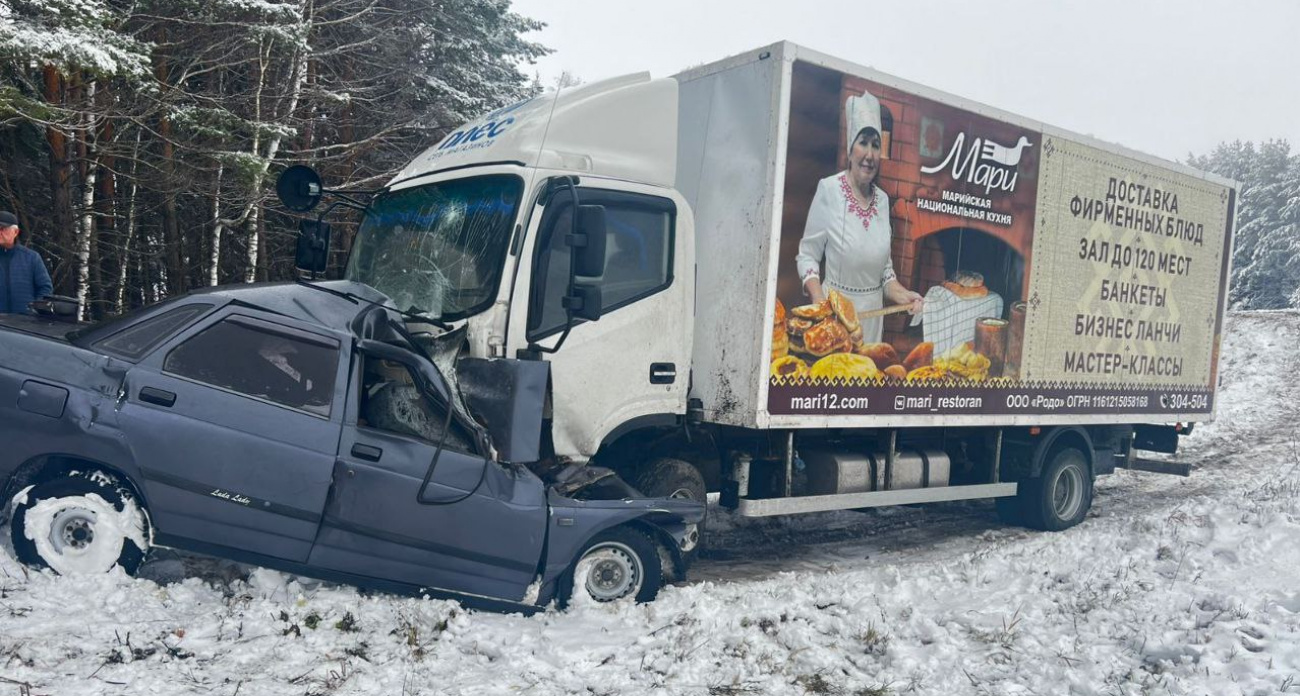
{"x": 1266, "y": 253}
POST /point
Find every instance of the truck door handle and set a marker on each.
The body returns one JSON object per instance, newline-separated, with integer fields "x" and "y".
{"x": 663, "y": 373}
{"x": 366, "y": 452}
{"x": 159, "y": 397}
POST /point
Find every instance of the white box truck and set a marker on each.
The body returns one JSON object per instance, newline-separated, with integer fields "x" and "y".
{"x": 812, "y": 286}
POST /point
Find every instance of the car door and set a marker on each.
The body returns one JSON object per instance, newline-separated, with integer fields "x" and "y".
{"x": 635, "y": 360}
{"x": 234, "y": 425}
{"x": 479, "y": 527}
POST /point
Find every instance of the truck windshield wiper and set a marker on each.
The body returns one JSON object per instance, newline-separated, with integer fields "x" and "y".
{"x": 412, "y": 313}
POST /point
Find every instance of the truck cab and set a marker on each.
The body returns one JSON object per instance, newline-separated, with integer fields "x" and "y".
{"x": 478, "y": 231}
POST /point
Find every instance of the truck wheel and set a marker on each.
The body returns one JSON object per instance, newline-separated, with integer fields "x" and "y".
{"x": 618, "y": 563}
{"x": 1061, "y": 496}
{"x": 80, "y": 524}
{"x": 674, "y": 478}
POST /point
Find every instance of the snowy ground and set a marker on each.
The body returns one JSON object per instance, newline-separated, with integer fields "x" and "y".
{"x": 1171, "y": 586}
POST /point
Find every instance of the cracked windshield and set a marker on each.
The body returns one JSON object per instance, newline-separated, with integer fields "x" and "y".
{"x": 438, "y": 248}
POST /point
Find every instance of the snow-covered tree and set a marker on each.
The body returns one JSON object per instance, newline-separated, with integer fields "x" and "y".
{"x": 141, "y": 138}
{"x": 1266, "y": 255}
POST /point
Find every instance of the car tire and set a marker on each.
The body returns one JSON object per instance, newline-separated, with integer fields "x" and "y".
{"x": 619, "y": 563}
{"x": 81, "y": 523}
{"x": 675, "y": 478}
{"x": 1060, "y": 497}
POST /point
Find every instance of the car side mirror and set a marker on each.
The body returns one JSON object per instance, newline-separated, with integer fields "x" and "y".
{"x": 588, "y": 243}
{"x": 313, "y": 246}
{"x": 584, "y": 302}
{"x": 299, "y": 188}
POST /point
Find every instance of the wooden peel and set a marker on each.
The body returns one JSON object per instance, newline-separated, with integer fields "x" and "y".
{"x": 884, "y": 311}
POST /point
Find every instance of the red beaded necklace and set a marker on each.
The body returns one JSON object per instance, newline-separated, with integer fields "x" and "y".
{"x": 864, "y": 214}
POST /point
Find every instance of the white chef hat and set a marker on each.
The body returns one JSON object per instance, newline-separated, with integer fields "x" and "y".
{"x": 861, "y": 112}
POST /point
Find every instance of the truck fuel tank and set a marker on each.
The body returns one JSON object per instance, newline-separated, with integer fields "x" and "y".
{"x": 831, "y": 472}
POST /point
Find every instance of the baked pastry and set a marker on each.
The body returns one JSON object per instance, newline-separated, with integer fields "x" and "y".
{"x": 825, "y": 338}
{"x": 816, "y": 312}
{"x": 797, "y": 326}
{"x": 921, "y": 355}
{"x": 780, "y": 314}
{"x": 896, "y": 371}
{"x": 881, "y": 353}
{"x": 926, "y": 373}
{"x": 845, "y": 366}
{"x": 966, "y": 285}
{"x": 963, "y": 361}
{"x": 964, "y": 292}
{"x": 789, "y": 366}
{"x": 780, "y": 342}
{"x": 844, "y": 311}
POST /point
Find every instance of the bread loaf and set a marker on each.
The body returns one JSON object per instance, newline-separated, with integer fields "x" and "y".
{"x": 921, "y": 355}
{"x": 882, "y": 354}
{"x": 965, "y": 292}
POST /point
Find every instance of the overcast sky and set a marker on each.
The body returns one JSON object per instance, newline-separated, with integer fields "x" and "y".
{"x": 1167, "y": 78}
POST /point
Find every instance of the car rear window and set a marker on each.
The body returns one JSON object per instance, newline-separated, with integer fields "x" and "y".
{"x": 137, "y": 340}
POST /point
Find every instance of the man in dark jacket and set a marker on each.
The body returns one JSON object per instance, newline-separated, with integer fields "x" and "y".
{"x": 23, "y": 277}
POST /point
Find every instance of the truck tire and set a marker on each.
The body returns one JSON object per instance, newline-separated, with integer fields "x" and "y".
{"x": 667, "y": 477}
{"x": 82, "y": 523}
{"x": 1061, "y": 496}
{"x": 616, "y": 564}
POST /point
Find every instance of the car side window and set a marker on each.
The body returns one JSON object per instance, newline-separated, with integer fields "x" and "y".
{"x": 261, "y": 360}
{"x": 136, "y": 341}
{"x": 638, "y": 255}
{"x": 391, "y": 401}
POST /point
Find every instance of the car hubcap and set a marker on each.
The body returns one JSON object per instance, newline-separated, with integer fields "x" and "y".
{"x": 614, "y": 572}
{"x": 1067, "y": 493}
{"x": 73, "y": 530}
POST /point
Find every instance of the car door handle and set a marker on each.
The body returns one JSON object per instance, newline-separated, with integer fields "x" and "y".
{"x": 159, "y": 397}
{"x": 366, "y": 452}
{"x": 663, "y": 373}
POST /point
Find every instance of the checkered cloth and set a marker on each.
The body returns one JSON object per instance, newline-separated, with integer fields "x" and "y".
{"x": 950, "y": 320}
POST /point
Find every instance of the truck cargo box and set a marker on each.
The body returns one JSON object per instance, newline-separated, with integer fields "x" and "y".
{"x": 1066, "y": 280}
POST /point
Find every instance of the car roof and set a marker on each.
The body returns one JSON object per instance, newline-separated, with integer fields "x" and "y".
{"x": 300, "y": 301}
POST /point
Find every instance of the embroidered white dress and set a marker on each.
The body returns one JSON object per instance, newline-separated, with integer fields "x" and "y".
{"x": 854, "y": 245}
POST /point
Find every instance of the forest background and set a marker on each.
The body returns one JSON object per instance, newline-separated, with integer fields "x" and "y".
{"x": 140, "y": 140}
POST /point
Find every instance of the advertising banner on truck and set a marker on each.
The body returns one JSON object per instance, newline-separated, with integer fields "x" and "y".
{"x": 934, "y": 260}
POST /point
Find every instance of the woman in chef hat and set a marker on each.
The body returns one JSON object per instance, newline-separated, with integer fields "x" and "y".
{"x": 848, "y": 228}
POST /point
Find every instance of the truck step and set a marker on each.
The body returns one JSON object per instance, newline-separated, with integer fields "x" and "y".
{"x": 1160, "y": 466}
{"x": 765, "y": 507}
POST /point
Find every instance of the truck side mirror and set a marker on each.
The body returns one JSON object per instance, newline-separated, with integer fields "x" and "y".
{"x": 584, "y": 301}
{"x": 313, "y": 246}
{"x": 299, "y": 188}
{"x": 588, "y": 243}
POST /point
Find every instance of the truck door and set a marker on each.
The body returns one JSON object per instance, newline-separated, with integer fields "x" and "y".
{"x": 234, "y": 425}
{"x": 479, "y": 528}
{"x": 634, "y": 361}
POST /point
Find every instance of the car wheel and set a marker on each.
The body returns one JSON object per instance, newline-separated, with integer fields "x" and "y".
{"x": 80, "y": 524}
{"x": 1060, "y": 497}
{"x": 675, "y": 478}
{"x": 617, "y": 564}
